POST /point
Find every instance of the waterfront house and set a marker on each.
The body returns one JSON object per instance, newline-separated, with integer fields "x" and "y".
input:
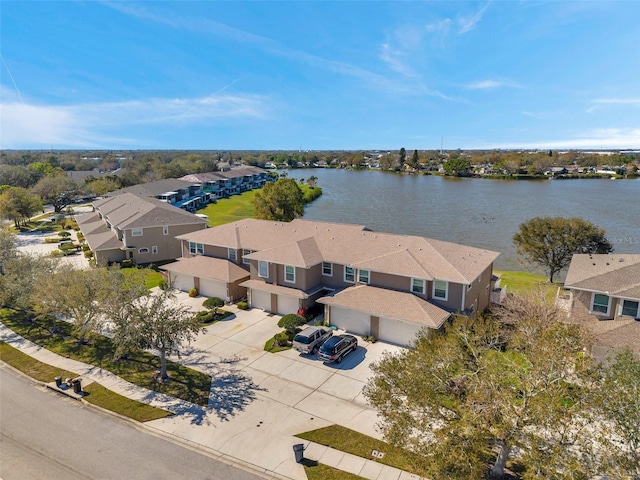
{"x": 142, "y": 229}
{"x": 178, "y": 193}
{"x": 369, "y": 283}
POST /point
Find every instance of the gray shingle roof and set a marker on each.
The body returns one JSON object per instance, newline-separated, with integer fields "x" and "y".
{"x": 208, "y": 267}
{"x": 616, "y": 274}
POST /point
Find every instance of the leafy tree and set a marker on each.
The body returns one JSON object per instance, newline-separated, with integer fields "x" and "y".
{"x": 282, "y": 200}
{"x": 550, "y": 242}
{"x": 312, "y": 180}
{"x": 213, "y": 303}
{"x": 402, "y": 156}
{"x": 484, "y": 387}
{"x": 59, "y": 191}
{"x": 291, "y": 322}
{"x": 22, "y": 274}
{"x": 18, "y": 204}
{"x": 620, "y": 399}
{"x": 8, "y": 248}
{"x": 100, "y": 186}
{"x": 158, "y": 322}
{"x": 458, "y": 166}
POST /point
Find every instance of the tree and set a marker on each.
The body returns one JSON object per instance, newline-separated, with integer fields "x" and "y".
{"x": 158, "y": 322}
{"x": 291, "y": 322}
{"x": 18, "y": 204}
{"x": 402, "y": 156}
{"x": 8, "y": 248}
{"x": 282, "y": 200}
{"x": 513, "y": 381}
{"x": 312, "y": 180}
{"x": 75, "y": 294}
{"x": 550, "y": 242}
{"x": 458, "y": 166}
{"x": 620, "y": 398}
{"x": 59, "y": 191}
{"x": 213, "y": 303}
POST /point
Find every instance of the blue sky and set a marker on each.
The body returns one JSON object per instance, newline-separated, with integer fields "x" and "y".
{"x": 319, "y": 75}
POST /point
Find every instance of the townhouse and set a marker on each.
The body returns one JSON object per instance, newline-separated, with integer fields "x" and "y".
{"x": 142, "y": 229}
{"x": 370, "y": 283}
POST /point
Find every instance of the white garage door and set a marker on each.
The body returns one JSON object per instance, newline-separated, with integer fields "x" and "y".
{"x": 182, "y": 282}
{"x": 261, "y": 300}
{"x": 398, "y": 332}
{"x": 287, "y": 304}
{"x": 350, "y": 320}
{"x": 212, "y": 288}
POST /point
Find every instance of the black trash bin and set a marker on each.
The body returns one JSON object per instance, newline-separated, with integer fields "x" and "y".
{"x": 77, "y": 388}
{"x": 298, "y": 451}
{"x": 58, "y": 381}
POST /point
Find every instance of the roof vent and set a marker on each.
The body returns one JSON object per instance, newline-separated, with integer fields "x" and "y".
{"x": 607, "y": 263}
{"x": 594, "y": 264}
{"x": 621, "y": 259}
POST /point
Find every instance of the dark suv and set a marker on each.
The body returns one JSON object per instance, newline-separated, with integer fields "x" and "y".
{"x": 337, "y": 347}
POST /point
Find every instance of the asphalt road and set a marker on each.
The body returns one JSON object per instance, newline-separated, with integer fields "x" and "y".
{"x": 46, "y": 436}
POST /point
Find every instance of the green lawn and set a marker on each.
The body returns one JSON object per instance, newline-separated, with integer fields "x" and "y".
{"x": 152, "y": 275}
{"x": 139, "y": 367}
{"x": 349, "y": 441}
{"x": 520, "y": 282}
{"x": 97, "y": 394}
{"x": 318, "y": 471}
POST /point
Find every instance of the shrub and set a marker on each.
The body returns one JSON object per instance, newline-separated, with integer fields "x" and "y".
{"x": 291, "y": 322}
{"x": 88, "y": 254}
{"x": 64, "y": 234}
{"x": 206, "y": 316}
{"x": 282, "y": 339}
{"x": 67, "y": 248}
{"x": 51, "y": 240}
{"x": 85, "y": 247}
{"x": 193, "y": 292}
{"x": 213, "y": 303}
{"x": 128, "y": 263}
{"x": 243, "y": 305}
{"x": 163, "y": 284}
{"x": 56, "y": 253}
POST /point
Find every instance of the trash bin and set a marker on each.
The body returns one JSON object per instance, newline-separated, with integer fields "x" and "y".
{"x": 77, "y": 388}
{"x": 298, "y": 451}
{"x": 58, "y": 381}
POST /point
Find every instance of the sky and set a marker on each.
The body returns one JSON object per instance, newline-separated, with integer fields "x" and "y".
{"x": 305, "y": 75}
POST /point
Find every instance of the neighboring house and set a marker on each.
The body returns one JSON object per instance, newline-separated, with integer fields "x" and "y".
{"x": 128, "y": 226}
{"x": 178, "y": 193}
{"x": 607, "y": 286}
{"x": 229, "y": 182}
{"x": 385, "y": 285}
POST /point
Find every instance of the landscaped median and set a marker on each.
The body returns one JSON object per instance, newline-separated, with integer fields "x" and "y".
{"x": 95, "y": 393}
{"x": 138, "y": 366}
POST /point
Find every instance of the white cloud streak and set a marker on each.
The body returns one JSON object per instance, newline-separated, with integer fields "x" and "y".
{"x": 490, "y": 84}
{"x": 466, "y": 24}
{"x": 614, "y": 138}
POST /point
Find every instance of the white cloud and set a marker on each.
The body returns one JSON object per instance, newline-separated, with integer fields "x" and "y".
{"x": 617, "y": 101}
{"x": 490, "y": 84}
{"x": 466, "y": 24}
{"x": 87, "y": 125}
{"x": 614, "y": 138}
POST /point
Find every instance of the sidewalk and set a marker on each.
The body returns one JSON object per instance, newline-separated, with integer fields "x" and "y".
{"x": 200, "y": 430}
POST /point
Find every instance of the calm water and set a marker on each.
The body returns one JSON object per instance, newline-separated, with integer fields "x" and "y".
{"x": 478, "y": 212}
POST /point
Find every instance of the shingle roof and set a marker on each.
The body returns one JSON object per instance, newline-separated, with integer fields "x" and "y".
{"x": 352, "y": 245}
{"x": 96, "y": 233}
{"x": 616, "y": 274}
{"x": 152, "y": 189}
{"x": 208, "y": 267}
{"x": 132, "y": 211}
{"x": 388, "y": 303}
{"x": 277, "y": 289}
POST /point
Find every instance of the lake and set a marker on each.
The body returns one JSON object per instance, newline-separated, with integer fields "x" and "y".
{"x": 473, "y": 211}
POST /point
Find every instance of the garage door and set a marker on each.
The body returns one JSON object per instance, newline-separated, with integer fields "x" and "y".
{"x": 261, "y": 300}
{"x": 287, "y": 304}
{"x": 398, "y": 332}
{"x": 212, "y": 288}
{"x": 351, "y": 320}
{"x": 182, "y": 282}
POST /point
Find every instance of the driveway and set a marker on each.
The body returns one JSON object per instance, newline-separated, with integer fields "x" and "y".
{"x": 259, "y": 400}
{"x": 33, "y": 242}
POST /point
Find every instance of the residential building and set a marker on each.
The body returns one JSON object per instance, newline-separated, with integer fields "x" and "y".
{"x": 178, "y": 193}
{"x": 142, "y": 229}
{"x": 370, "y": 283}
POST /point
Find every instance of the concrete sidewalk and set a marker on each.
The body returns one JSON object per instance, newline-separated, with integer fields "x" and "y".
{"x": 258, "y": 432}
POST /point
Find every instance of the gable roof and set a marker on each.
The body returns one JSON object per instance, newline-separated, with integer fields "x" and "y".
{"x": 152, "y": 189}
{"x": 389, "y": 303}
{"x": 208, "y": 267}
{"x": 352, "y": 245}
{"x": 132, "y": 211}
{"x": 613, "y": 274}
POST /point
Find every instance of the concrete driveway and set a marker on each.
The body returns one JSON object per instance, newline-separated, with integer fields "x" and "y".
{"x": 259, "y": 400}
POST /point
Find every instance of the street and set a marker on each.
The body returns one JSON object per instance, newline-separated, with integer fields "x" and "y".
{"x": 44, "y": 435}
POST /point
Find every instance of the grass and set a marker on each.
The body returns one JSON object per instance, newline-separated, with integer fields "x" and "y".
{"x": 268, "y": 346}
{"x": 139, "y": 367}
{"x": 238, "y": 207}
{"x": 349, "y": 441}
{"x": 152, "y": 276}
{"x": 521, "y": 282}
{"x": 97, "y": 394}
{"x": 318, "y": 471}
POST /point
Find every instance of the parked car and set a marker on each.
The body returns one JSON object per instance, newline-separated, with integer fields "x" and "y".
{"x": 337, "y": 347}
{"x": 310, "y": 339}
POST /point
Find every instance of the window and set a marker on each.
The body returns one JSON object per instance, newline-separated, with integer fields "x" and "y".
{"x": 246, "y": 252}
{"x": 135, "y": 232}
{"x": 263, "y": 269}
{"x": 349, "y": 274}
{"x": 630, "y": 308}
{"x": 417, "y": 285}
{"x": 363, "y": 276}
{"x": 327, "y": 269}
{"x": 600, "y": 303}
{"x": 143, "y": 250}
{"x": 289, "y": 274}
{"x": 232, "y": 254}
{"x": 196, "y": 248}
{"x": 440, "y": 289}
{"x": 165, "y": 230}
{"x": 154, "y": 249}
